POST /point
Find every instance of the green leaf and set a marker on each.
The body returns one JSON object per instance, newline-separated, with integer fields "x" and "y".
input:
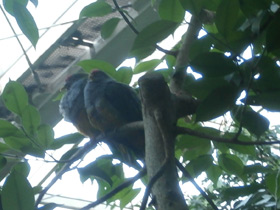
{"x": 30, "y": 119}
{"x": 9, "y": 5}
{"x": 217, "y": 103}
{"x": 109, "y": 27}
{"x": 8, "y": 129}
{"x": 17, "y": 193}
{"x": 49, "y": 206}
{"x": 273, "y": 34}
{"x": 213, "y": 173}
{"x": 193, "y": 147}
{"x": 200, "y": 46}
{"x": 26, "y": 23}
{"x": 213, "y": 64}
{"x": 251, "y": 120}
{"x": 67, "y": 139}
{"x": 231, "y": 164}
{"x": 199, "y": 165}
{"x": 3, "y": 162}
{"x": 124, "y": 75}
{"x": 152, "y": 34}
{"x": 146, "y": 66}
{"x": 272, "y": 182}
{"x": 268, "y": 100}
{"x": 89, "y": 65}
{"x": 193, "y": 6}
{"x": 22, "y": 168}
{"x": 128, "y": 197}
{"x": 93, "y": 170}
{"x": 227, "y": 17}
{"x": 15, "y": 97}
{"x": 171, "y": 10}
{"x": 202, "y": 87}
{"x": 97, "y": 9}
{"x": 45, "y": 136}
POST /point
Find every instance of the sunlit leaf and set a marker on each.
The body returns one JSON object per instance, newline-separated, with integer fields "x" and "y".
{"x": 15, "y": 97}
{"x": 22, "y": 168}
{"x": 89, "y": 65}
{"x": 124, "y": 75}
{"x": 30, "y": 119}
{"x": 146, "y": 66}
{"x": 27, "y": 24}
{"x": 45, "y": 136}
{"x": 97, "y": 9}
{"x": 17, "y": 193}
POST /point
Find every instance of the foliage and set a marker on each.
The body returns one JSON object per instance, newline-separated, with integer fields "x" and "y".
{"x": 240, "y": 173}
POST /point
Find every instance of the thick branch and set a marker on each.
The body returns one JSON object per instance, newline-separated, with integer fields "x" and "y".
{"x": 181, "y": 130}
{"x": 159, "y": 120}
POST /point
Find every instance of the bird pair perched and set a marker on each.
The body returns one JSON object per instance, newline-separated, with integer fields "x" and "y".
{"x": 97, "y": 104}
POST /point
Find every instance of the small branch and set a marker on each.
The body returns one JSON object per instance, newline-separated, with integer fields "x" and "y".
{"x": 150, "y": 185}
{"x": 181, "y": 130}
{"x": 63, "y": 170}
{"x": 34, "y": 73}
{"x": 186, "y": 174}
{"x": 116, "y": 190}
{"x": 137, "y": 32}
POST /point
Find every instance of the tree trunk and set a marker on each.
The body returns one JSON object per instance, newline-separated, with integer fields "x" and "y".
{"x": 159, "y": 120}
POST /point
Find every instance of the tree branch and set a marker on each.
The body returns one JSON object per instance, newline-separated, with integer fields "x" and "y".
{"x": 181, "y": 130}
{"x": 63, "y": 170}
{"x": 137, "y": 32}
{"x": 159, "y": 115}
{"x": 116, "y": 190}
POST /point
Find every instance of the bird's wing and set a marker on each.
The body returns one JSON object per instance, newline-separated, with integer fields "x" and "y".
{"x": 124, "y": 100}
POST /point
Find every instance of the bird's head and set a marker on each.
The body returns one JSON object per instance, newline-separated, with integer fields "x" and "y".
{"x": 98, "y": 75}
{"x": 73, "y": 78}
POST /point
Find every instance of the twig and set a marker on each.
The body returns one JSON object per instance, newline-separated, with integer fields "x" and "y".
{"x": 181, "y": 130}
{"x": 150, "y": 185}
{"x": 116, "y": 190}
{"x": 137, "y": 32}
{"x": 63, "y": 170}
{"x": 34, "y": 73}
{"x": 186, "y": 174}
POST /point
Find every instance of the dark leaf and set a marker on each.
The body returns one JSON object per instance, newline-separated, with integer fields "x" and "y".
{"x": 251, "y": 120}
{"x": 227, "y": 17}
{"x": 171, "y": 10}
{"x": 193, "y": 6}
{"x": 213, "y": 173}
{"x": 273, "y": 34}
{"x": 217, "y": 103}
{"x": 199, "y": 165}
{"x": 213, "y": 64}
{"x": 272, "y": 183}
{"x": 231, "y": 164}
{"x": 152, "y": 34}
{"x": 109, "y": 27}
